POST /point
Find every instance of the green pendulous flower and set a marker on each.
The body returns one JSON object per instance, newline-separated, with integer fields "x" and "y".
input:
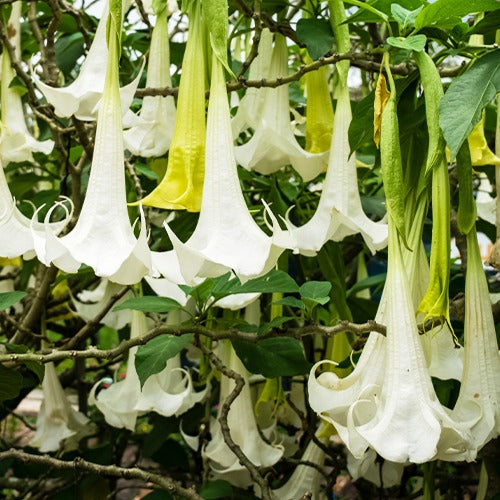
{"x": 182, "y": 185}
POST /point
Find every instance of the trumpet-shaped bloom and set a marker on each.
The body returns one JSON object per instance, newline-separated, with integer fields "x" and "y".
{"x": 168, "y": 393}
{"x": 273, "y": 144}
{"x": 81, "y": 97}
{"x": 480, "y": 152}
{"x": 305, "y": 479}
{"x": 394, "y": 409}
{"x": 91, "y": 302}
{"x": 319, "y": 111}
{"x": 226, "y": 237}
{"x": 243, "y": 429}
{"x": 152, "y": 134}
{"x": 383, "y": 474}
{"x": 16, "y": 230}
{"x": 103, "y": 237}
{"x": 57, "y": 423}
{"x": 182, "y": 185}
{"x": 339, "y": 212}
{"x": 250, "y": 106}
{"x": 16, "y": 142}
{"x": 478, "y": 404}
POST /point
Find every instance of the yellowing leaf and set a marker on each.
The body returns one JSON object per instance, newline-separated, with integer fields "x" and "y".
{"x": 382, "y": 95}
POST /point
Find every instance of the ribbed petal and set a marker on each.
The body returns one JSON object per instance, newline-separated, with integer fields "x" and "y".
{"x": 152, "y": 134}
{"x": 339, "y": 212}
{"x": 81, "y": 98}
{"x": 226, "y": 237}
{"x": 273, "y": 144}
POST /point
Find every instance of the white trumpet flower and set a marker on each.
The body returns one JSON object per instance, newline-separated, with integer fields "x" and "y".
{"x": 273, "y": 144}
{"x": 16, "y": 142}
{"x": 478, "y": 404}
{"x": 103, "y": 237}
{"x": 305, "y": 479}
{"x": 16, "y": 230}
{"x": 81, "y": 98}
{"x": 226, "y": 237}
{"x": 152, "y": 135}
{"x": 243, "y": 428}
{"x": 339, "y": 212}
{"x": 90, "y": 302}
{"x": 250, "y": 106}
{"x": 383, "y": 474}
{"x": 57, "y": 423}
{"x": 168, "y": 393}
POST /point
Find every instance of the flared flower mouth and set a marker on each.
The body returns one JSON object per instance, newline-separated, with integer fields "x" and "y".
{"x": 104, "y": 215}
{"x": 226, "y": 237}
{"x": 81, "y": 98}
{"x": 273, "y": 144}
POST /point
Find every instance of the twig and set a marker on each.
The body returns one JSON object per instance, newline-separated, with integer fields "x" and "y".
{"x": 239, "y": 383}
{"x": 102, "y": 470}
{"x": 93, "y": 325}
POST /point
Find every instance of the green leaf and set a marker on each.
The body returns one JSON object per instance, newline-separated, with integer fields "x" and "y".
{"x": 404, "y": 17}
{"x": 274, "y": 357}
{"x": 152, "y": 357}
{"x": 384, "y": 6}
{"x": 149, "y": 304}
{"x": 18, "y": 85}
{"x": 361, "y": 128}
{"x": 367, "y": 283}
{"x": 290, "y": 302}
{"x": 274, "y": 281}
{"x": 11, "y": 382}
{"x": 316, "y": 35}
{"x": 8, "y": 299}
{"x": 216, "y": 489}
{"x": 145, "y": 171}
{"x": 316, "y": 291}
{"x": 447, "y": 13}
{"x": 463, "y": 103}
{"x": 274, "y": 323}
{"x": 415, "y": 42}
{"x": 68, "y": 49}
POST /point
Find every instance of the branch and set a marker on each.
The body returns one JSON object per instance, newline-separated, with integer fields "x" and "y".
{"x": 124, "y": 346}
{"x": 102, "y": 470}
{"x": 239, "y": 383}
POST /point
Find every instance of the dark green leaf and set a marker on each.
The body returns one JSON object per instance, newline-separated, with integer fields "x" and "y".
{"x": 216, "y": 489}
{"x": 404, "y": 17}
{"x": 273, "y": 282}
{"x": 361, "y": 127}
{"x": 462, "y": 105}
{"x": 149, "y": 304}
{"x": 152, "y": 357}
{"x": 316, "y": 291}
{"x": 490, "y": 23}
{"x": 146, "y": 171}
{"x": 8, "y": 299}
{"x": 274, "y": 357}
{"x": 447, "y": 13}
{"x": 291, "y": 302}
{"x": 415, "y": 42}
{"x": 316, "y": 35}
{"x": 274, "y": 323}
{"x": 11, "y": 382}
{"x": 367, "y": 283}
{"x": 68, "y": 49}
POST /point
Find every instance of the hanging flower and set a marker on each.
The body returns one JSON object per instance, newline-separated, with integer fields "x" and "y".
{"x": 168, "y": 393}
{"x": 182, "y": 185}
{"x": 152, "y": 133}
{"x": 16, "y": 230}
{"x": 226, "y": 237}
{"x": 104, "y": 216}
{"x": 339, "y": 212}
{"x": 273, "y": 144}
{"x": 243, "y": 428}
{"x": 81, "y": 97}
{"x": 90, "y": 302}
{"x": 251, "y": 105}
{"x": 478, "y": 404}
{"x": 305, "y": 478}
{"x": 57, "y": 423}
{"x": 382, "y": 473}
{"x": 480, "y": 153}
{"x": 16, "y": 142}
